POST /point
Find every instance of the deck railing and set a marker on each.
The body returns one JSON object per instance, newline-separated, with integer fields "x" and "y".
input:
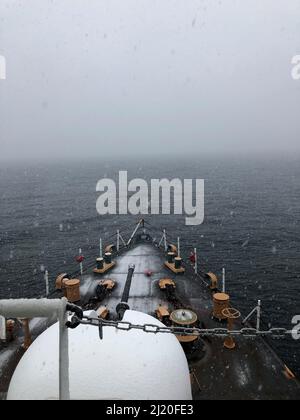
{"x": 44, "y": 308}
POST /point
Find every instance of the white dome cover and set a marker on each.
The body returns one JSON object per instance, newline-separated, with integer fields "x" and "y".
{"x": 130, "y": 365}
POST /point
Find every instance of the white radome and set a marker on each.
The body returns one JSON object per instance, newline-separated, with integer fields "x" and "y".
{"x": 130, "y": 365}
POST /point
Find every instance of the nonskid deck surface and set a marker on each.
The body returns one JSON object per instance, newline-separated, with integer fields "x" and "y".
{"x": 145, "y": 295}
{"x": 251, "y": 371}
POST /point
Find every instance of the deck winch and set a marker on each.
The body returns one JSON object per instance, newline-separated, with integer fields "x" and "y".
{"x": 185, "y": 318}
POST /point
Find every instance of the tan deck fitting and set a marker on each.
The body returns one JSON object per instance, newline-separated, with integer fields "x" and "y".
{"x": 288, "y": 373}
{"x": 163, "y": 283}
{"x": 231, "y": 315}
{"x": 173, "y": 248}
{"x": 187, "y": 338}
{"x": 173, "y": 269}
{"x": 162, "y": 312}
{"x": 105, "y": 268}
{"x": 109, "y": 249}
{"x": 109, "y": 284}
{"x": 103, "y": 312}
{"x": 27, "y": 334}
{"x": 72, "y": 291}
{"x": 10, "y": 325}
{"x": 59, "y": 284}
{"x": 214, "y": 280}
{"x": 221, "y": 302}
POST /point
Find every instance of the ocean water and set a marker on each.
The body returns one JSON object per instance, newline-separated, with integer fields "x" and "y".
{"x": 251, "y": 227}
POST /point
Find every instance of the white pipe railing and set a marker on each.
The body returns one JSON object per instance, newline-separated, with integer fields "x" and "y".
{"x": 161, "y": 241}
{"x": 256, "y": 310}
{"x": 47, "y": 283}
{"x": 223, "y": 280}
{"x": 118, "y": 240}
{"x": 45, "y": 308}
{"x": 196, "y": 260}
{"x": 100, "y": 248}
{"x": 165, "y": 240}
{"x": 2, "y": 328}
{"x": 258, "y": 319}
{"x": 81, "y": 263}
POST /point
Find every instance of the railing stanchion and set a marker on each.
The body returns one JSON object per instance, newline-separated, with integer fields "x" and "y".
{"x": 223, "y": 280}
{"x": 64, "y": 381}
{"x": 258, "y": 315}
{"x": 100, "y": 248}
{"x": 45, "y": 308}
{"x": 196, "y": 260}
{"x": 47, "y": 282}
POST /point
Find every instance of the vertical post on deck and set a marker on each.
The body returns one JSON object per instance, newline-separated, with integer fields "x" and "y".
{"x": 165, "y": 240}
{"x": 118, "y": 240}
{"x": 196, "y": 260}
{"x": 223, "y": 280}
{"x": 100, "y": 248}
{"x": 2, "y": 328}
{"x": 64, "y": 381}
{"x": 81, "y": 263}
{"x": 45, "y": 308}
{"x": 178, "y": 247}
{"x": 47, "y": 282}
{"x": 258, "y": 315}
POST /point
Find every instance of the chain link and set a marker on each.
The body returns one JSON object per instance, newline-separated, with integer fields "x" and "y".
{"x": 275, "y": 333}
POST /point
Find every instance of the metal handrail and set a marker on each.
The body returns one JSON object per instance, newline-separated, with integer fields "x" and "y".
{"x": 45, "y": 308}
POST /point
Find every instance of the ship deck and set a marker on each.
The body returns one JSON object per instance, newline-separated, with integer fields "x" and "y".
{"x": 251, "y": 371}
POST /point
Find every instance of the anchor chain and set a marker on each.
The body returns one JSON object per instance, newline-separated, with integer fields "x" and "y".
{"x": 275, "y": 333}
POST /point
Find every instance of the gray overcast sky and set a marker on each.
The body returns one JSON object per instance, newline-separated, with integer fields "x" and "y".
{"x": 119, "y": 77}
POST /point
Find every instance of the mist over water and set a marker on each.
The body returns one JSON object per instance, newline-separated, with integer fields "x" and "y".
{"x": 122, "y": 78}
{"x": 251, "y": 227}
